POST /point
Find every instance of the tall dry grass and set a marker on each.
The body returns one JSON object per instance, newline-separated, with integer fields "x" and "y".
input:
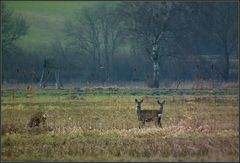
{"x": 105, "y": 127}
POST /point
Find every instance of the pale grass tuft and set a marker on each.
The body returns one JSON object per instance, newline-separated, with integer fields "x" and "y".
{"x": 227, "y": 133}
{"x": 230, "y": 85}
{"x": 53, "y": 107}
{"x": 69, "y": 130}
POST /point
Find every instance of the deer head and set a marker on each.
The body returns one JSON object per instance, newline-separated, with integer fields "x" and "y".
{"x": 45, "y": 115}
{"x": 138, "y": 104}
{"x": 161, "y": 105}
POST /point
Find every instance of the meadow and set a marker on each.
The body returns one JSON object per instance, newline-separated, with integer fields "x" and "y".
{"x": 100, "y": 124}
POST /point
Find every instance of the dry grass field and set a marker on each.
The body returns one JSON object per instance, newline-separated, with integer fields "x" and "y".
{"x": 101, "y": 125}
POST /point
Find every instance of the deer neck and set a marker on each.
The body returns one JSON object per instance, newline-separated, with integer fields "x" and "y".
{"x": 161, "y": 109}
{"x": 138, "y": 109}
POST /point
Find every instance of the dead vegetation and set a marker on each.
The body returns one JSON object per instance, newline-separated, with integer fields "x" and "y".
{"x": 105, "y": 127}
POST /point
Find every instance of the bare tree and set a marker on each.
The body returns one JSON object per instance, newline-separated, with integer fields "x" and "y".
{"x": 150, "y": 25}
{"x": 13, "y": 27}
{"x": 219, "y": 20}
{"x": 97, "y": 32}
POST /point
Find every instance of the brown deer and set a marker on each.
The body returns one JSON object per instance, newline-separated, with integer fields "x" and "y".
{"x": 37, "y": 119}
{"x": 149, "y": 115}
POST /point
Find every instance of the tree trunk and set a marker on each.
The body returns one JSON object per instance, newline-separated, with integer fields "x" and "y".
{"x": 106, "y": 55}
{"x": 99, "y": 70}
{"x": 226, "y": 67}
{"x": 105, "y": 25}
{"x": 226, "y": 64}
{"x": 94, "y": 65}
{"x": 155, "y": 66}
{"x": 107, "y": 68}
{"x": 155, "y": 74}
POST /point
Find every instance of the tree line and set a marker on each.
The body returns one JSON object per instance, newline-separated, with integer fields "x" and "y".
{"x": 133, "y": 41}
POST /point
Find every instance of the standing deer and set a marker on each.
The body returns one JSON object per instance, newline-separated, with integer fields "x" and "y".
{"x": 149, "y": 115}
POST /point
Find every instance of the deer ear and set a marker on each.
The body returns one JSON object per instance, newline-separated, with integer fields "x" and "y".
{"x": 158, "y": 102}
{"x": 163, "y": 102}
{"x": 141, "y": 101}
{"x": 136, "y": 100}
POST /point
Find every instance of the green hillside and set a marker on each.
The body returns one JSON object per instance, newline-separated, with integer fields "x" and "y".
{"x": 45, "y": 18}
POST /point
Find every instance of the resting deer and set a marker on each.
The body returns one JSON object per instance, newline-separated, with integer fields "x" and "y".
{"x": 149, "y": 115}
{"x": 38, "y": 119}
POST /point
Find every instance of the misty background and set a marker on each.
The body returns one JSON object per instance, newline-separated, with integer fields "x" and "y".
{"x": 111, "y": 42}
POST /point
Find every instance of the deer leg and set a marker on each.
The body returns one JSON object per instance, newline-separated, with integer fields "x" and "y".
{"x": 140, "y": 124}
{"x": 159, "y": 122}
{"x": 143, "y": 123}
{"x": 156, "y": 122}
